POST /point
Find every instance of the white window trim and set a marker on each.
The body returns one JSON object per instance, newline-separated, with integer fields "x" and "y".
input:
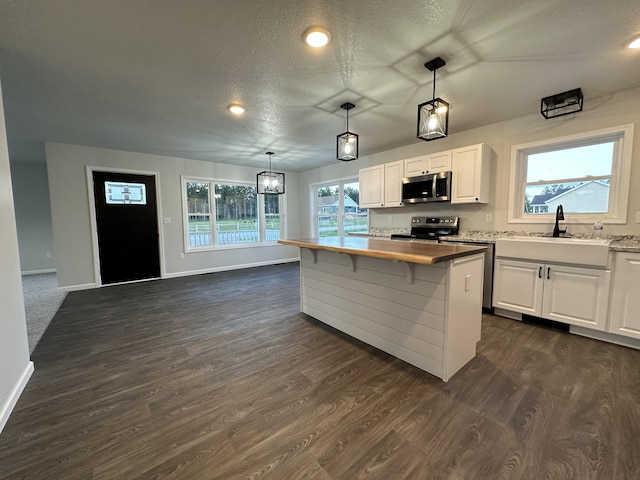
{"x": 620, "y": 177}
{"x": 261, "y": 221}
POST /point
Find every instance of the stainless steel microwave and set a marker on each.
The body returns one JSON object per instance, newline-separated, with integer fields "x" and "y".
{"x": 433, "y": 187}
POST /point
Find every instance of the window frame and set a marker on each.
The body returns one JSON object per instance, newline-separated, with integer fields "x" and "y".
{"x": 212, "y": 182}
{"x": 619, "y": 183}
{"x": 341, "y": 182}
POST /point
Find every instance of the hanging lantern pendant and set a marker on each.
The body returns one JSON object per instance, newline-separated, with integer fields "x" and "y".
{"x": 433, "y": 116}
{"x": 347, "y": 142}
{"x": 269, "y": 182}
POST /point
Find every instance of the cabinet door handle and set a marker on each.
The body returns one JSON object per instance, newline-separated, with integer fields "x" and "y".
{"x": 539, "y": 272}
{"x": 548, "y": 273}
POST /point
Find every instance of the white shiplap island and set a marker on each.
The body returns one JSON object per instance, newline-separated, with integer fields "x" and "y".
{"x": 420, "y": 302}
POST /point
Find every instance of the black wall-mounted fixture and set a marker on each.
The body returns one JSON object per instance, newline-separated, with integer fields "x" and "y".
{"x": 270, "y": 182}
{"x": 562, "y": 103}
{"x": 347, "y": 142}
{"x": 433, "y": 116}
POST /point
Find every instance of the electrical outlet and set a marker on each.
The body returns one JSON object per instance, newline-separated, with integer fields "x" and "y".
{"x": 166, "y": 220}
{"x": 488, "y": 218}
{"x": 181, "y": 256}
{"x": 390, "y": 218}
{"x": 48, "y": 254}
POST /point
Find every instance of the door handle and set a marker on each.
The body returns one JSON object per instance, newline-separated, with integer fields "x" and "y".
{"x": 548, "y": 273}
{"x": 539, "y": 272}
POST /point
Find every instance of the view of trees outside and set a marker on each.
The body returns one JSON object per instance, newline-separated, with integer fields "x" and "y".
{"x": 199, "y": 214}
{"x": 236, "y": 214}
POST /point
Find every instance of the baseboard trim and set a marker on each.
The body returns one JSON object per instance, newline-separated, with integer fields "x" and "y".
{"x": 507, "y": 313}
{"x": 606, "y": 337}
{"x": 74, "y": 288}
{"x": 18, "y": 388}
{"x": 231, "y": 267}
{"x": 36, "y": 272}
{"x": 87, "y": 286}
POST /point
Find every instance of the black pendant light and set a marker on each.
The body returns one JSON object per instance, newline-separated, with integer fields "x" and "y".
{"x": 347, "y": 142}
{"x": 433, "y": 116}
{"x": 270, "y": 182}
{"x": 562, "y": 104}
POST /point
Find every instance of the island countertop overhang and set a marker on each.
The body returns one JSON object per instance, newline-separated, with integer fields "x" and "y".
{"x": 413, "y": 252}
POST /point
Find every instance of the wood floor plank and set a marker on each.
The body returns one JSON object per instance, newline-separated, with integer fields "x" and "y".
{"x": 221, "y": 377}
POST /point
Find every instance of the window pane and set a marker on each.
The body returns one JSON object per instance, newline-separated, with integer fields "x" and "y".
{"x": 354, "y": 224}
{"x": 327, "y": 199}
{"x": 197, "y": 198}
{"x": 125, "y": 193}
{"x": 579, "y": 162}
{"x": 236, "y": 214}
{"x": 328, "y": 226}
{"x": 272, "y": 228}
{"x": 199, "y": 230}
{"x": 199, "y": 219}
{"x": 351, "y": 197}
{"x": 551, "y": 174}
{"x": 271, "y": 204}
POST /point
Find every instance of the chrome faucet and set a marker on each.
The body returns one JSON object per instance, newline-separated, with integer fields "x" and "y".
{"x": 559, "y": 216}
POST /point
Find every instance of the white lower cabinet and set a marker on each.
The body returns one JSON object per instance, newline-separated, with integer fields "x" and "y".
{"x": 625, "y": 299}
{"x": 567, "y": 294}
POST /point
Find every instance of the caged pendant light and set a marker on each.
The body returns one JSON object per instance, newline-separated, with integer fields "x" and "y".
{"x": 433, "y": 116}
{"x": 347, "y": 142}
{"x": 270, "y": 182}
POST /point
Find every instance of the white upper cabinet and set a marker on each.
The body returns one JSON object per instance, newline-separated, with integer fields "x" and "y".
{"x": 471, "y": 174}
{"x": 393, "y": 173}
{"x": 372, "y": 187}
{"x": 432, "y": 163}
{"x": 381, "y": 185}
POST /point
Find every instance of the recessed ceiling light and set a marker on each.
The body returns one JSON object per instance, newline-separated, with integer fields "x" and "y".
{"x": 635, "y": 43}
{"x": 236, "y": 108}
{"x": 317, "y": 36}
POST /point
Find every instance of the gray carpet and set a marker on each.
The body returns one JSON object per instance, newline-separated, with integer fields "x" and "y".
{"x": 41, "y": 302}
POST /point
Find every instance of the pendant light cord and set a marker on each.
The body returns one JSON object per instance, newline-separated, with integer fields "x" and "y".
{"x": 434, "y": 84}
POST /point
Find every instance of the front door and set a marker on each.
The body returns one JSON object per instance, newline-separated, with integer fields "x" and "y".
{"x": 127, "y": 226}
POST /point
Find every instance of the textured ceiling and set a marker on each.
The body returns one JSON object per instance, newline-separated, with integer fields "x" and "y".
{"x": 155, "y": 76}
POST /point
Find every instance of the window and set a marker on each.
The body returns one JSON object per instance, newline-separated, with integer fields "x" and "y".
{"x": 337, "y": 209}
{"x": 234, "y": 211}
{"x": 587, "y": 174}
{"x": 122, "y": 193}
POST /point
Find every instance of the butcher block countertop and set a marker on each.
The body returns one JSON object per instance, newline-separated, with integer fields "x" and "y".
{"x": 413, "y": 252}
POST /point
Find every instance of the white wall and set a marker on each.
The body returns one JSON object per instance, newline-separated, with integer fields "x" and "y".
{"x": 620, "y": 109}
{"x": 15, "y": 366}
{"x": 71, "y": 216}
{"x": 33, "y": 215}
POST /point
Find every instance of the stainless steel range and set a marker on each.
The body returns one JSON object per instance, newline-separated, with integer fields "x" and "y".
{"x": 429, "y": 229}
{"x": 436, "y": 230}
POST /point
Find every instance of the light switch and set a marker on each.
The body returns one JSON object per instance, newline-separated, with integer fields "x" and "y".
{"x": 166, "y": 220}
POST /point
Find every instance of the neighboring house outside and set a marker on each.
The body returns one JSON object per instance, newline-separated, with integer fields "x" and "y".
{"x": 588, "y": 197}
{"x": 539, "y": 202}
{"x": 330, "y": 204}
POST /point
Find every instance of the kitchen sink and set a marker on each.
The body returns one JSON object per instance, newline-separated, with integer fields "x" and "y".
{"x": 567, "y": 250}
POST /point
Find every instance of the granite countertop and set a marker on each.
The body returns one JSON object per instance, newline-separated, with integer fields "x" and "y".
{"x": 619, "y": 243}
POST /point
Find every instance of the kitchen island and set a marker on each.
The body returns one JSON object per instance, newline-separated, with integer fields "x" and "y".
{"x": 421, "y": 302}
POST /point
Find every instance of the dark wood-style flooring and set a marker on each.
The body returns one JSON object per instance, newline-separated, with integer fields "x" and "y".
{"x": 220, "y": 377}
